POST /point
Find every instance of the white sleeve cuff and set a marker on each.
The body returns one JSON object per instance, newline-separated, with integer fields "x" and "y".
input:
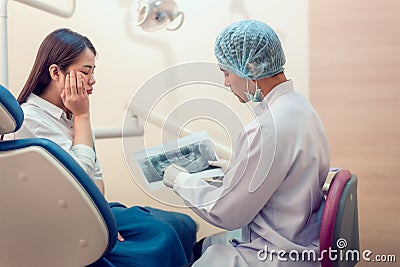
{"x": 98, "y": 178}
{"x": 186, "y": 181}
{"x": 85, "y": 156}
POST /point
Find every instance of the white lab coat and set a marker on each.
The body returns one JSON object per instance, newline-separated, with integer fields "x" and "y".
{"x": 273, "y": 189}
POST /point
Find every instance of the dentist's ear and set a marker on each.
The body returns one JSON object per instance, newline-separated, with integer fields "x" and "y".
{"x": 54, "y": 71}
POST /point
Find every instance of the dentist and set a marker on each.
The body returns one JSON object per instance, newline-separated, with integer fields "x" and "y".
{"x": 272, "y": 188}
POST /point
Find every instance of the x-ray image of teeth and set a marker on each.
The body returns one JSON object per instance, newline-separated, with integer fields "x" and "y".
{"x": 193, "y": 157}
{"x": 192, "y": 153}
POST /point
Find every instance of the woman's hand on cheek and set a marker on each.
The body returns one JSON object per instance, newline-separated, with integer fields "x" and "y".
{"x": 74, "y": 94}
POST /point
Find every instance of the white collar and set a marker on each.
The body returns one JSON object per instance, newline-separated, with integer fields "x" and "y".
{"x": 277, "y": 91}
{"x": 50, "y": 108}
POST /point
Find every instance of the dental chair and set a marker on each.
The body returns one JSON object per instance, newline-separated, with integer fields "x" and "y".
{"x": 51, "y": 213}
{"x": 339, "y": 226}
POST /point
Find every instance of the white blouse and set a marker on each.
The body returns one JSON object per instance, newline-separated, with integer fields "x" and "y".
{"x": 42, "y": 119}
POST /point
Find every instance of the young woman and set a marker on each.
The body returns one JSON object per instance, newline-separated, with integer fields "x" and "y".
{"x": 55, "y": 101}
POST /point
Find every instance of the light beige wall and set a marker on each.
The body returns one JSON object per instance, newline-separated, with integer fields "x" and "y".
{"x": 128, "y": 57}
{"x": 354, "y": 85}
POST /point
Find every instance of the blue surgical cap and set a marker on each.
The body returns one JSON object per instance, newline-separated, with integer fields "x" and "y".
{"x": 250, "y": 49}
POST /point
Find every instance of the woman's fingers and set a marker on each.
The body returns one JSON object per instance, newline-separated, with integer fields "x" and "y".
{"x": 80, "y": 84}
{"x": 62, "y": 95}
{"x": 73, "y": 83}
{"x": 84, "y": 91}
{"x": 67, "y": 87}
{"x": 75, "y": 97}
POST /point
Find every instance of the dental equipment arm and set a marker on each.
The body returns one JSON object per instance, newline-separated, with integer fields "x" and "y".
{"x": 50, "y": 8}
{"x": 3, "y": 29}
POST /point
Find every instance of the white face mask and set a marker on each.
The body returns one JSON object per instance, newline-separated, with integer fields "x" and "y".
{"x": 257, "y": 97}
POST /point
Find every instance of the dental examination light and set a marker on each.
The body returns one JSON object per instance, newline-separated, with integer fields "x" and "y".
{"x": 154, "y": 15}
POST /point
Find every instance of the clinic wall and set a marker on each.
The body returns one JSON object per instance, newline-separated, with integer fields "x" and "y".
{"x": 129, "y": 56}
{"x": 354, "y": 85}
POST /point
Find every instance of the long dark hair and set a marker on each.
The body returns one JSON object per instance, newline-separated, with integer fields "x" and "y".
{"x": 61, "y": 47}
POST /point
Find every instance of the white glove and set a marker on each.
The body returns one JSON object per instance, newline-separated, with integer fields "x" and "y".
{"x": 171, "y": 172}
{"x": 221, "y": 163}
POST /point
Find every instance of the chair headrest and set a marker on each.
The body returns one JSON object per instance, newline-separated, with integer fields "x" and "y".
{"x": 11, "y": 114}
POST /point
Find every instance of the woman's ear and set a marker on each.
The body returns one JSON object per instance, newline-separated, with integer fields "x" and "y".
{"x": 55, "y": 72}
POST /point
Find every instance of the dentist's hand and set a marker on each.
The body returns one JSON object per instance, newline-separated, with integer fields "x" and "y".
{"x": 171, "y": 172}
{"x": 221, "y": 163}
